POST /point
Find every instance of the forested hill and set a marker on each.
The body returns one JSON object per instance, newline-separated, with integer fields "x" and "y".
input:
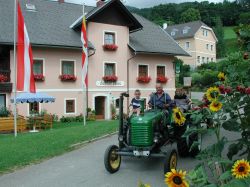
{"x": 230, "y": 13}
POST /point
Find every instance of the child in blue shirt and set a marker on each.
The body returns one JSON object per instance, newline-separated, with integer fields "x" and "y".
{"x": 135, "y": 102}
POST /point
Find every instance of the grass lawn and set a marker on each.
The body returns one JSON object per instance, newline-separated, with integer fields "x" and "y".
{"x": 230, "y": 37}
{"x": 33, "y": 147}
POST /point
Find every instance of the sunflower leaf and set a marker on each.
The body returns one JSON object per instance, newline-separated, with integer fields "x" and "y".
{"x": 211, "y": 185}
{"x": 236, "y": 183}
{"x": 226, "y": 175}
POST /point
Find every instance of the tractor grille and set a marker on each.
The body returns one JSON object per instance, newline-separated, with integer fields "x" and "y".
{"x": 141, "y": 135}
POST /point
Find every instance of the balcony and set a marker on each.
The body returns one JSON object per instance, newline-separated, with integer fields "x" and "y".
{"x": 5, "y": 84}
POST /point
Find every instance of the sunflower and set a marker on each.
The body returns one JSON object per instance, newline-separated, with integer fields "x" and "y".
{"x": 221, "y": 76}
{"x": 213, "y": 93}
{"x": 178, "y": 116}
{"x": 241, "y": 169}
{"x": 215, "y": 106}
{"x": 176, "y": 178}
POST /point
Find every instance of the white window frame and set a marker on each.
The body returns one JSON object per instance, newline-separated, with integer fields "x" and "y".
{"x": 43, "y": 59}
{"x": 207, "y": 46}
{"x": 199, "y": 59}
{"x": 6, "y": 100}
{"x": 160, "y": 65}
{"x": 109, "y": 31}
{"x": 109, "y": 62}
{"x": 186, "y": 45}
{"x": 203, "y": 60}
{"x": 28, "y": 108}
{"x": 172, "y": 33}
{"x": 68, "y": 60}
{"x": 65, "y": 112}
{"x": 208, "y": 59}
{"x": 185, "y": 31}
{"x": 142, "y": 65}
{"x": 212, "y": 47}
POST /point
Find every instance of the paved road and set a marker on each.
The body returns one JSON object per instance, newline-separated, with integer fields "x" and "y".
{"x": 85, "y": 168}
{"x": 197, "y": 95}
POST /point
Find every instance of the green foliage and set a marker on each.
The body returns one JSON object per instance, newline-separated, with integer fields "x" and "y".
{"x": 78, "y": 118}
{"x": 4, "y": 112}
{"x": 244, "y": 18}
{"x": 243, "y": 33}
{"x": 189, "y": 15}
{"x": 209, "y": 78}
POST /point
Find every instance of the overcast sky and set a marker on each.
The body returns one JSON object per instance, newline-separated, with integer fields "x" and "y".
{"x": 140, "y": 3}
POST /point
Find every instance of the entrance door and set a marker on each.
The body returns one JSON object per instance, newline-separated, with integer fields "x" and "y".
{"x": 100, "y": 107}
{"x": 2, "y": 100}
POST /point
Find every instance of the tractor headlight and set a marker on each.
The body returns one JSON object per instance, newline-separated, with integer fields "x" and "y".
{"x": 120, "y": 138}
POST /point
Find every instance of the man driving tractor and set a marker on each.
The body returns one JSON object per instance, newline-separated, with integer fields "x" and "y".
{"x": 159, "y": 99}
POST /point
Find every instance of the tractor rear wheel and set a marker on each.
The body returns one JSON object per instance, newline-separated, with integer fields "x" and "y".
{"x": 112, "y": 160}
{"x": 171, "y": 161}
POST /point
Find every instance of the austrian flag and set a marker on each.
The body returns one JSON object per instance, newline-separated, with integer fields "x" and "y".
{"x": 25, "y": 76}
{"x": 84, "y": 53}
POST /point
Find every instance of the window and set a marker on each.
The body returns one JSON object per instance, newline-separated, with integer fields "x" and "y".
{"x": 2, "y": 100}
{"x": 160, "y": 71}
{"x": 70, "y": 106}
{"x": 203, "y": 59}
{"x": 172, "y": 33}
{"x": 109, "y": 69}
{"x": 212, "y": 59}
{"x": 109, "y": 38}
{"x": 143, "y": 71}
{"x": 34, "y": 108}
{"x": 187, "y": 45}
{"x": 198, "y": 59}
{"x": 117, "y": 103}
{"x": 212, "y": 47}
{"x": 204, "y": 32}
{"x": 38, "y": 67}
{"x": 185, "y": 31}
{"x": 207, "y": 59}
{"x": 207, "y": 46}
{"x": 68, "y": 67}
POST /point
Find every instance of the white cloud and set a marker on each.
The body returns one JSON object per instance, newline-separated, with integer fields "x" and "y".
{"x": 139, "y": 3}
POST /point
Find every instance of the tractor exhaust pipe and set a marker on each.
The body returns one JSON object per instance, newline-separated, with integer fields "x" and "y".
{"x": 125, "y": 94}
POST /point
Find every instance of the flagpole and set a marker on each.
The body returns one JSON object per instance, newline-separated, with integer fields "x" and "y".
{"x": 84, "y": 85}
{"x": 15, "y": 68}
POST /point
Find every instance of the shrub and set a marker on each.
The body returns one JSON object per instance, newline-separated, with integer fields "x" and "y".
{"x": 209, "y": 78}
{"x": 196, "y": 79}
{"x": 4, "y": 112}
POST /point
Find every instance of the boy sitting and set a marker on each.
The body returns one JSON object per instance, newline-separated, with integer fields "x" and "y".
{"x": 135, "y": 103}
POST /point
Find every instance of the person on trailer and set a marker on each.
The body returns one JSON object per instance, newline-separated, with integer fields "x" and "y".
{"x": 181, "y": 100}
{"x": 159, "y": 99}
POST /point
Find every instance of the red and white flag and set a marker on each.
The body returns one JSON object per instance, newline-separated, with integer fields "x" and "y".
{"x": 84, "y": 53}
{"x": 25, "y": 76}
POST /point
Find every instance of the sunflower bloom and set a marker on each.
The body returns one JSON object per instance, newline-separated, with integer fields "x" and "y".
{"x": 178, "y": 116}
{"x": 215, "y": 106}
{"x": 241, "y": 169}
{"x": 221, "y": 76}
{"x": 176, "y": 178}
{"x": 213, "y": 93}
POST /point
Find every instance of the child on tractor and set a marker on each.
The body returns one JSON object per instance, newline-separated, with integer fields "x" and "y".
{"x": 135, "y": 103}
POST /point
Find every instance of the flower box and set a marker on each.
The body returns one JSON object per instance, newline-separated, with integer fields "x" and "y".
{"x": 67, "y": 77}
{"x": 110, "y": 47}
{"x": 3, "y": 78}
{"x": 143, "y": 79}
{"x": 39, "y": 77}
{"x": 110, "y": 78}
{"x": 162, "y": 79}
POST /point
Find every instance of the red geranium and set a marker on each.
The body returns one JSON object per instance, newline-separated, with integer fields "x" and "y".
{"x": 247, "y": 91}
{"x": 110, "y": 47}
{"x": 162, "y": 79}
{"x": 225, "y": 90}
{"x": 39, "y": 77}
{"x": 143, "y": 79}
{"x": 3, "y": 78}
{"x": 110, "y": 78}
{"x": 241, "y": 89}
{"x": 67, "y": 77}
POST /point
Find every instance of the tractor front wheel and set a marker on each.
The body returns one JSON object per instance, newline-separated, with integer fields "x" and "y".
{"x": 171, "y": 161}
{"x": 112, "y": 160}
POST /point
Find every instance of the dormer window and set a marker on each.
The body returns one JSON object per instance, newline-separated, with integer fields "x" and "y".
{"x": 185, "y": 31}
{"x": 30, "y": 7}
{"x": 109, "y": 38}
{"x": 172, "y": 33}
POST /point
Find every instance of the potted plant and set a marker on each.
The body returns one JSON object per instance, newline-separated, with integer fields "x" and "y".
{"x": 110, "y": 78}
{"x": 161, "y": 79}
{"x": 39, "y": 77}
{"x": 3, "y": 78}
{"x": 143, "y": 79}
{"x": 68, "y": 77}
{"x": 110, "y": 47}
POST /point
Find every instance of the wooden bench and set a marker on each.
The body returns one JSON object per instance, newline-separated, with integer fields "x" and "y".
{"x": 7, "y": 124}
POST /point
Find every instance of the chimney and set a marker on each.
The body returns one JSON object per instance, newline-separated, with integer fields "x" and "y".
{"x": 100, "y": 3}
{"x": 61, "y": 1}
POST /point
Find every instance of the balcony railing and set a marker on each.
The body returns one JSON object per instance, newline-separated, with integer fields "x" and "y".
{"x": 5, "y": 86}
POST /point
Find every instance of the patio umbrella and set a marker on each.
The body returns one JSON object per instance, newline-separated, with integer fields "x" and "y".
{"x": 33, "y": 97}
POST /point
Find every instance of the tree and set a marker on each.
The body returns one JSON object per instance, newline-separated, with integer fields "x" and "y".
{"x": 219, "y": 32}
{"x": 244, "y": 18}
{"x": 189, "y": 15}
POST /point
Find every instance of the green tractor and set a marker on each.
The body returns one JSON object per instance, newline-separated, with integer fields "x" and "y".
{"x": 151, "y": 134}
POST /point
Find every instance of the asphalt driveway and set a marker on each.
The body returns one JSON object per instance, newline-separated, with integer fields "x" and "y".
{"x": 84, "y": 168}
